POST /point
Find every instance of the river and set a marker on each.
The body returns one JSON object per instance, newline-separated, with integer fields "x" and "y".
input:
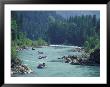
{"x": 55, "y": 68}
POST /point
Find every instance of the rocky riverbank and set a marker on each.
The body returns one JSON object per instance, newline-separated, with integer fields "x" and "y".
{"x": 22, "y": 48}
{"x": 85, "y": 59}
{"x": 18, "y": 68}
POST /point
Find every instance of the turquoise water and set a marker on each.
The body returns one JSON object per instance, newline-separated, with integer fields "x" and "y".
{"x": 58, "y": 68}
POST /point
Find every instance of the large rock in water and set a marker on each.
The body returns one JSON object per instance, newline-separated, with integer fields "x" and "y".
{"x": 95, "y": 56}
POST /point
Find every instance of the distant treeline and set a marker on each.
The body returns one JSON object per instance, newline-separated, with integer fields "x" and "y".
{"x": 48, "y": 27}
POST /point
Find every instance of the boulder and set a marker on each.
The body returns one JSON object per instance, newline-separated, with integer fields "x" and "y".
{"x": 21, "y": 69}
{"x": 75, "y": 62}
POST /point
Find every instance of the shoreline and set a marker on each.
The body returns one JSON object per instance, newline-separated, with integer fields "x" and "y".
{"x": 74, "y": 61}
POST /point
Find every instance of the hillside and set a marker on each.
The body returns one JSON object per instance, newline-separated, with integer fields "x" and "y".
{"x": 54, "y": 29}
{"x": 34, "y": 23}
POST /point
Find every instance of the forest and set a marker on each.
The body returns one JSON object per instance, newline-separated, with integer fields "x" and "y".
{"x": 38, "y": 28}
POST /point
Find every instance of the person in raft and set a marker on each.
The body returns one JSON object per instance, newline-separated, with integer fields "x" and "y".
{"x": 40, "y": 66}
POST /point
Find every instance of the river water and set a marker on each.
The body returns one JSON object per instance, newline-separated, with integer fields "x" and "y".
{"x": 55, "y": 68}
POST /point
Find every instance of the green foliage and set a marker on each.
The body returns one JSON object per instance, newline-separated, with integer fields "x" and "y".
{"x": 19, "y": 39}
{"x": 91, "y": 44}
{"x": 13, "y": 49}
{"x": 74, "y": 30}
{"x": 28, "y": 42}
{"x": 13, "y": 52}
{"x": 39, "y": 42}
{"x": 14, "y": 28}
{"x": 14, "y": 25}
